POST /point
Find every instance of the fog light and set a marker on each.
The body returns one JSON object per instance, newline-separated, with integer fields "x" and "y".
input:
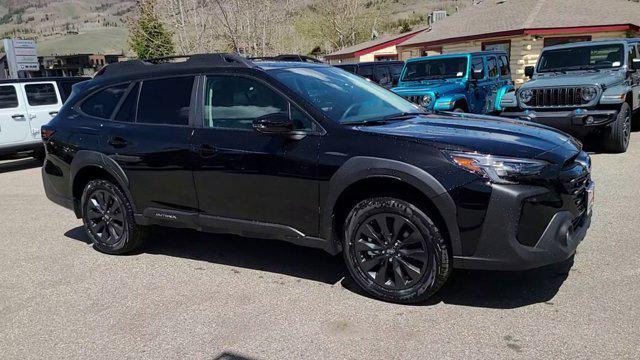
{"x": 589, "y": 120}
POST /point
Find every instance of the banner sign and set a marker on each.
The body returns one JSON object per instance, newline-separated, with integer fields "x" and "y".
{"x": 22, "y": 55}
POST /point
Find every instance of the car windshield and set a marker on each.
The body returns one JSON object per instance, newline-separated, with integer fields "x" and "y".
{"x": 436, "y": 69}
{"x": 342, "y": 96}
{"x": 582, "y": 58}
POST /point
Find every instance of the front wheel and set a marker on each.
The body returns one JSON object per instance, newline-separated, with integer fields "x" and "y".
{"x": 618, "y": 133}
{"x": 394, "y": 251}
{"x": 108, "y": 218}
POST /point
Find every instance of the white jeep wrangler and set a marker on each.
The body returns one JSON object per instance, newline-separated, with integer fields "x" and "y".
{"x": 26, "y": 105}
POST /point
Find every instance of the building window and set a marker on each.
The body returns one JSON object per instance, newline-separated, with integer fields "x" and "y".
{"x": 550, "y": 41}
{"x": 386, "y": 57}
{"x": 502, "y": 45}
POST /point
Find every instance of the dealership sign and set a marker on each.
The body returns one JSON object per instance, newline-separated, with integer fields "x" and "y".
{"x": 22, "y": 55}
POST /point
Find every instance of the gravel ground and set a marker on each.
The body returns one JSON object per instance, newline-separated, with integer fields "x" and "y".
{"x": 191, "y": 295}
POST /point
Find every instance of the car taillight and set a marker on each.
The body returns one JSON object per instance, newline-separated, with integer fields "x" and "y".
{"x": 46, "y": 134}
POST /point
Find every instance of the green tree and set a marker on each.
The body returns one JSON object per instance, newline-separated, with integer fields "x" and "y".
{"x": 148, "y": 36}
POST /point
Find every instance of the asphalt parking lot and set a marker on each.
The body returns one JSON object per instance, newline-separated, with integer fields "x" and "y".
{"x": 191, "y": 295}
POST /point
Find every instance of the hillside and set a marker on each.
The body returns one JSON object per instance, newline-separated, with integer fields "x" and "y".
{"x": 75, "y": 26}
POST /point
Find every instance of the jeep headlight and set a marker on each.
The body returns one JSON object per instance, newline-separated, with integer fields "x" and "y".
{"x": 498, "y": 169}
{"x": 426, "y": 101}
{"x": 588, "y": 93}
{"x": 526, "y": 95}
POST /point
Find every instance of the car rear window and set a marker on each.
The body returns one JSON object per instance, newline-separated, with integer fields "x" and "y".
{"x": 41, "y": 94}
{"x": 8, "y": 97}
{"x": 165, "y": 101}
{"x": 104, "y": 102}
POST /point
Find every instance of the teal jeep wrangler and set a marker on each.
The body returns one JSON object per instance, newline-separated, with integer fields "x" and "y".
{"x": 468, "y": 82}
{"x": 588, "y": 88}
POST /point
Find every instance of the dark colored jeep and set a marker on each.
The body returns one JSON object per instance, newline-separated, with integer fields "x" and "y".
{"x": 583, "y": 88}
{"x": 316, "y": 156}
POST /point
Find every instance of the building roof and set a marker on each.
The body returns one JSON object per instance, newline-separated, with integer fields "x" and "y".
{"x": 379, "y": 43}
{"x": 493, "y": 18}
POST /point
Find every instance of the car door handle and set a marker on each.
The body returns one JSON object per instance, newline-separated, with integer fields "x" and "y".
{"x": 206, "y": 150}
{"x": 18, "y": 117}
{"x": 53, "y": 113}
{"x": 117, "y": 142}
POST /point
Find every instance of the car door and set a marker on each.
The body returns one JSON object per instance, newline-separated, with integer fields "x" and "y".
{"x": 148, "y": 137}
{"x": 43, "y": 103}
{"x": 493, "y": 83}
{"x": 244, "y": 175}
{"x": 478, "y": 89}
{"x": 634, "y": 75}
{"x": 14, "y": 126}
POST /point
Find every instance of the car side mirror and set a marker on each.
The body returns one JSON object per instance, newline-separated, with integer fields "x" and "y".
{"x": 278, "y": 123}
{"x": 529, "y": 71}
{"x": 635, "y": 64}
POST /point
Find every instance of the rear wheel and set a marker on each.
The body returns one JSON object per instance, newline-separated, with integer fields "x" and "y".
{"x": 618, "y": 133}
{"x": 108, "y": 218}
{"x": 394, "y": 251}
{"x": 458, "y": 110}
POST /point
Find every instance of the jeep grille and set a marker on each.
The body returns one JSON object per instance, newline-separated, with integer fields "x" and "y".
{"x": 556, "y": 97}
{"x": 414, "y": 98}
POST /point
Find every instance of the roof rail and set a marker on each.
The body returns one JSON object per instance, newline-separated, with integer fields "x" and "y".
{"x": 219, "y": 60}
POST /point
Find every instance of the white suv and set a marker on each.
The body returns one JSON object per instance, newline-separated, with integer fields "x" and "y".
{"x": 26, "y": 105}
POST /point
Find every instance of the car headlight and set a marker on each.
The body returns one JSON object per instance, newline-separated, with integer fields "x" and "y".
{"x": 526, "y": 95}
{"x": 498, "y": 169}
{"x": 588, "y": 93}
{"x": 426, "y": 100}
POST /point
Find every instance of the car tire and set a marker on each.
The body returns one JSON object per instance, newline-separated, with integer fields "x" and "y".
{"x": 618, "y": 133}
{"x": 458, "y": 110}
{"x": 108, "y": 220}
{"x": 394, "y": 251}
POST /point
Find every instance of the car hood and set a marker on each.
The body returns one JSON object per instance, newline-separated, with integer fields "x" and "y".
{"x": 421, "y": 88}
{"x": 574, "y": 78}
{"x": 485, "y": 134}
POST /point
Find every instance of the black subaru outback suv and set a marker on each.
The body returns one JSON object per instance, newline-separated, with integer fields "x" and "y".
{"x": 319, "y": 157}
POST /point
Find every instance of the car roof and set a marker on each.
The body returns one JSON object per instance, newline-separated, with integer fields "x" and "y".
{"x": 467, "y": 54}
{"x": 193, "y": 64}
{"x": 41, "y": 79}
{"x": 593, "y": 43}
{"x": 390, "y": 62}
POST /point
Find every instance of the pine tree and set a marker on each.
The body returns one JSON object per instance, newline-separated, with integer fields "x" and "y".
{"x": 148, "y": 37}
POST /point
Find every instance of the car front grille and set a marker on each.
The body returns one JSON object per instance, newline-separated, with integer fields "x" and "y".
{"x": 556, "y": 97}
{"x": 413, "y": 98}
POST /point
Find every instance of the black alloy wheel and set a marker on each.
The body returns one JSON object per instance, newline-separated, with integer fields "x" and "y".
{"x": 394, "y": 251}
{"x": 108, "y": 219}
{"x": 391, "y": 251}
{"x": 105, "y": 217}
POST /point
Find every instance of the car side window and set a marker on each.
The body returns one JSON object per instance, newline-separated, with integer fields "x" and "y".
{"x": 41, "y": 94}
{"x": 349, "y": 68}
{"x": 127, "y": 111}
{"x": 477, "y": 65}
{"x": 382, "y": 73}
{"x": 8, "y": 97}
{"x": 503, "y": 62}
{"x": 366, "y": 71}
{"x": 165, "y": 101}
{"x": 492, "y": 66}
{"x": 235, "y": 102}
{"x": 633, "y": 53}
{"x": 104, "y": 102}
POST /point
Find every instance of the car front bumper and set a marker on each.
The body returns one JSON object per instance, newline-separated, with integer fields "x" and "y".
{"x": 577, "y": 120}
{"x": 499, "y": 248}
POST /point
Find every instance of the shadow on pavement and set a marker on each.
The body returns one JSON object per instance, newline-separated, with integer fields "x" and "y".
{"x": 231, "y": 356}
{"x": 20, "y": 164}
{"x": 487, "y": 289}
